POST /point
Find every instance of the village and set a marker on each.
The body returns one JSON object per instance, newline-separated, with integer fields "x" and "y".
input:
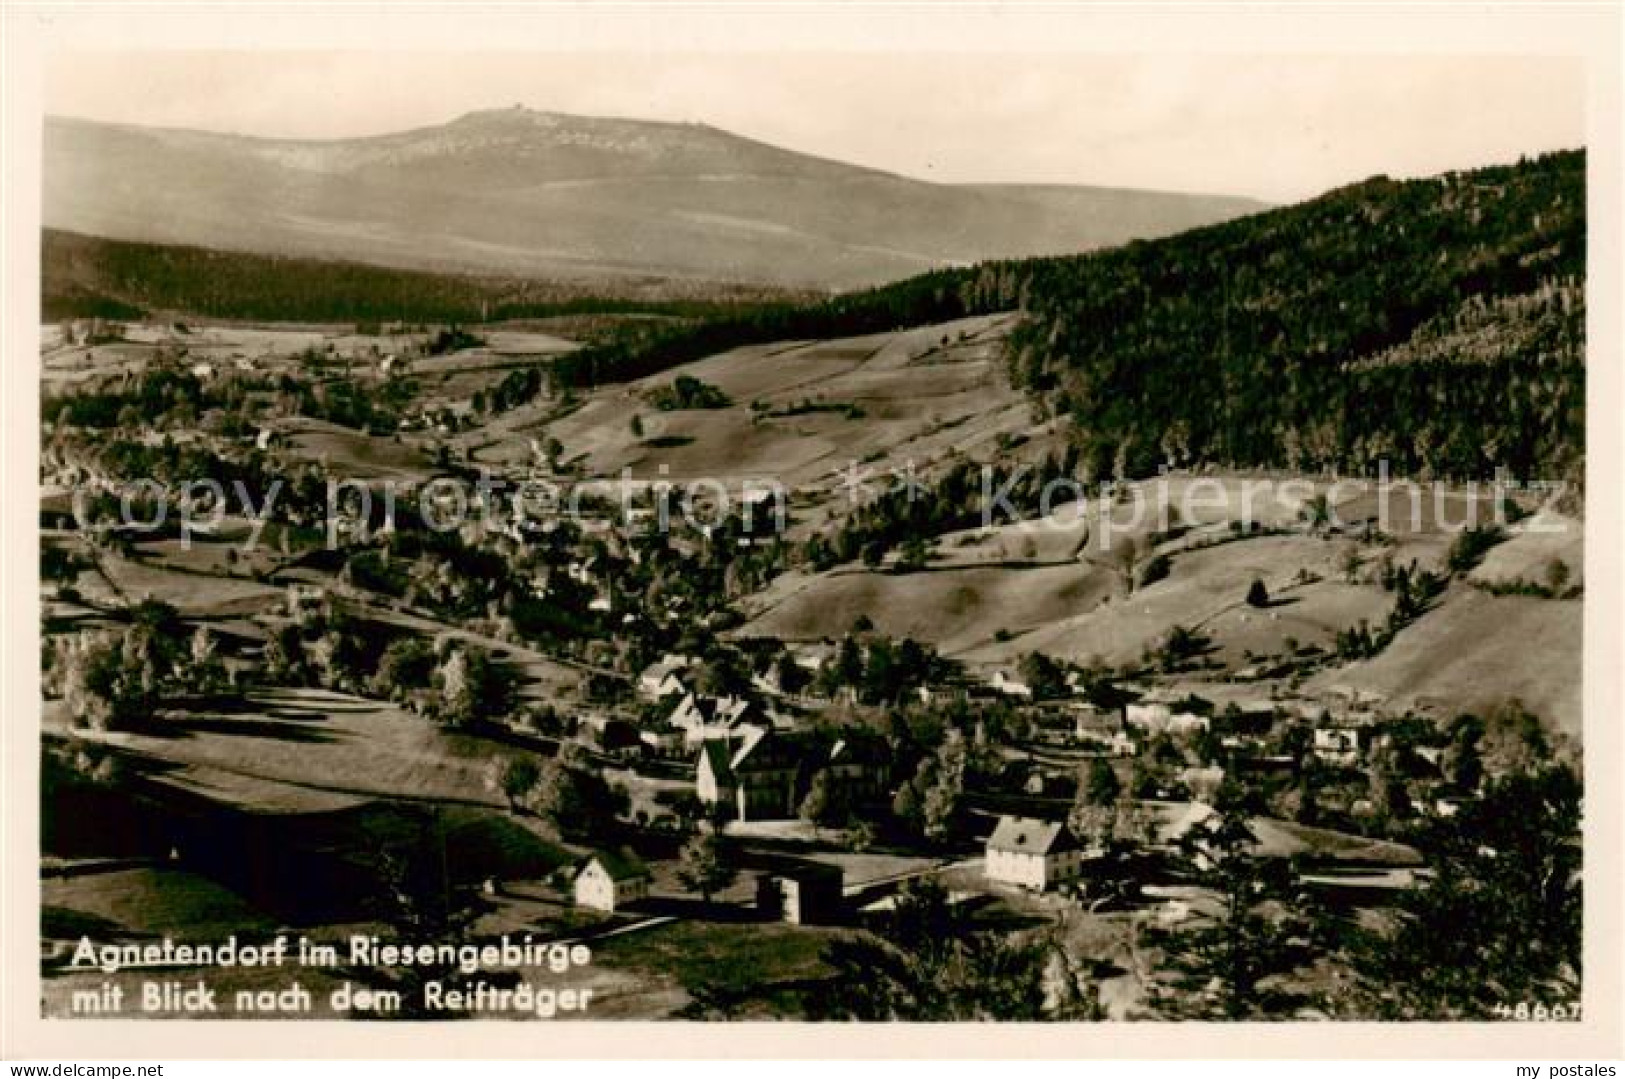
{"x": 833, "y": 534}
{"x": 604, "y": 675}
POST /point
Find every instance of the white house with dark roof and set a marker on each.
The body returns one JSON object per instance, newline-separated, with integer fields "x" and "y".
{"x": 607, "y": 880}
{"x": 1011, "y": 684}
{"x": 661, "y": 679}
{"x": 702, "y": 718}
{"x": 1034, "y": 854}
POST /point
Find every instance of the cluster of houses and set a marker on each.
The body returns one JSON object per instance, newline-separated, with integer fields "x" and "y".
{"x": 748, "y": 765}
{"x": 795, "y": 890}
{"x": 1032, "y": 854}
{"x": 1041, "y": 856}
{"x": 1340, "y": 737}
{"x": 692, "y": 718}
{"x": 751, "y": 765}
{"x": 752, "y": 761}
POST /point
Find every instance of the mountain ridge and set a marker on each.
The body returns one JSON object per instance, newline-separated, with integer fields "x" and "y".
{"x": 545, "y": 194}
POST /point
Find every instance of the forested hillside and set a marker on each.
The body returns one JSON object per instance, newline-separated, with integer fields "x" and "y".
{"x": 1437, "y": 324}
{"x": 87, "y": 276}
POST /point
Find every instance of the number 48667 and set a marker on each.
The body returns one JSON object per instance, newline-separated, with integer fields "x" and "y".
{"x": 1525, "y": 1012}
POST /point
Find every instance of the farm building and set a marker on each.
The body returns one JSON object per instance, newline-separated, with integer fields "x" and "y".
{"x": 801, "y": 893}
{"x": 608, "y": 880}
{"x": 1035, "y": 854}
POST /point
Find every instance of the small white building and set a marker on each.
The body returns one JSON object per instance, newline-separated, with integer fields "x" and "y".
{"x": 1033, "y": 854}
{"x": 1338, "y": 745}
{"x": 811, "y": 656}
{"x": 1156, "y": 718}
{"x": 658, "y": 680}
{"x": 607, "y": 881}
{"x": 1010, "y": 684}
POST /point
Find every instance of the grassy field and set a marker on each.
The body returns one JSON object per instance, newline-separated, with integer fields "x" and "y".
{"x": 1058, "y": 537}
{"x": 1068, "y": 599}
{"x": 1205, "y": 591}
{"x": 955, "y": 609}
{"x": 918, "y": 398}
{"x": 1404, "y": 510}
{"x": 353, "y": 455}
{"x": 297, "y": 750}
{"x": 1475, "y": 650}
{"x": 152, "y": 902}
{"x": 193, "y": 594}
{"x": 1535, "y": 544}
{"x": 1169, "y": 513}
{"x": 749, "y": 970}
{"x": 220, "y": 554}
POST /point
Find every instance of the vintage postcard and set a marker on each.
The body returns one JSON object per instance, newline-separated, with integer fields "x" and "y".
{"x": 1024, "y": 516}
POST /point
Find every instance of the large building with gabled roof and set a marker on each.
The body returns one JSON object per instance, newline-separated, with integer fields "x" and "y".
{"x": 1035, "y": 854}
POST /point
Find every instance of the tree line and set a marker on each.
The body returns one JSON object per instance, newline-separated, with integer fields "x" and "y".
{"x": 87, "y": 276}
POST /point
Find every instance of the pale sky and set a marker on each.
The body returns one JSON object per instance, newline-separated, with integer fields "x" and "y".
{"x": 1272, "y": 127}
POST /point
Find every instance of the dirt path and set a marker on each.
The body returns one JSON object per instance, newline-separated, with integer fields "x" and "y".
{"x": 623, "y": 930}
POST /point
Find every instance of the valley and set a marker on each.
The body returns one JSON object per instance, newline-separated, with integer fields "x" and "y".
{"x": 1081, "y": 616}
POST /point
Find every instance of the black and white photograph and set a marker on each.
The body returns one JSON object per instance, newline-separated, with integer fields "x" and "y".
{"x": 872, "y": 536}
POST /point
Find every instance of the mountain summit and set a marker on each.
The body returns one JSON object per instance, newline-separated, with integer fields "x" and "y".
{"x": 548, "y": 194}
